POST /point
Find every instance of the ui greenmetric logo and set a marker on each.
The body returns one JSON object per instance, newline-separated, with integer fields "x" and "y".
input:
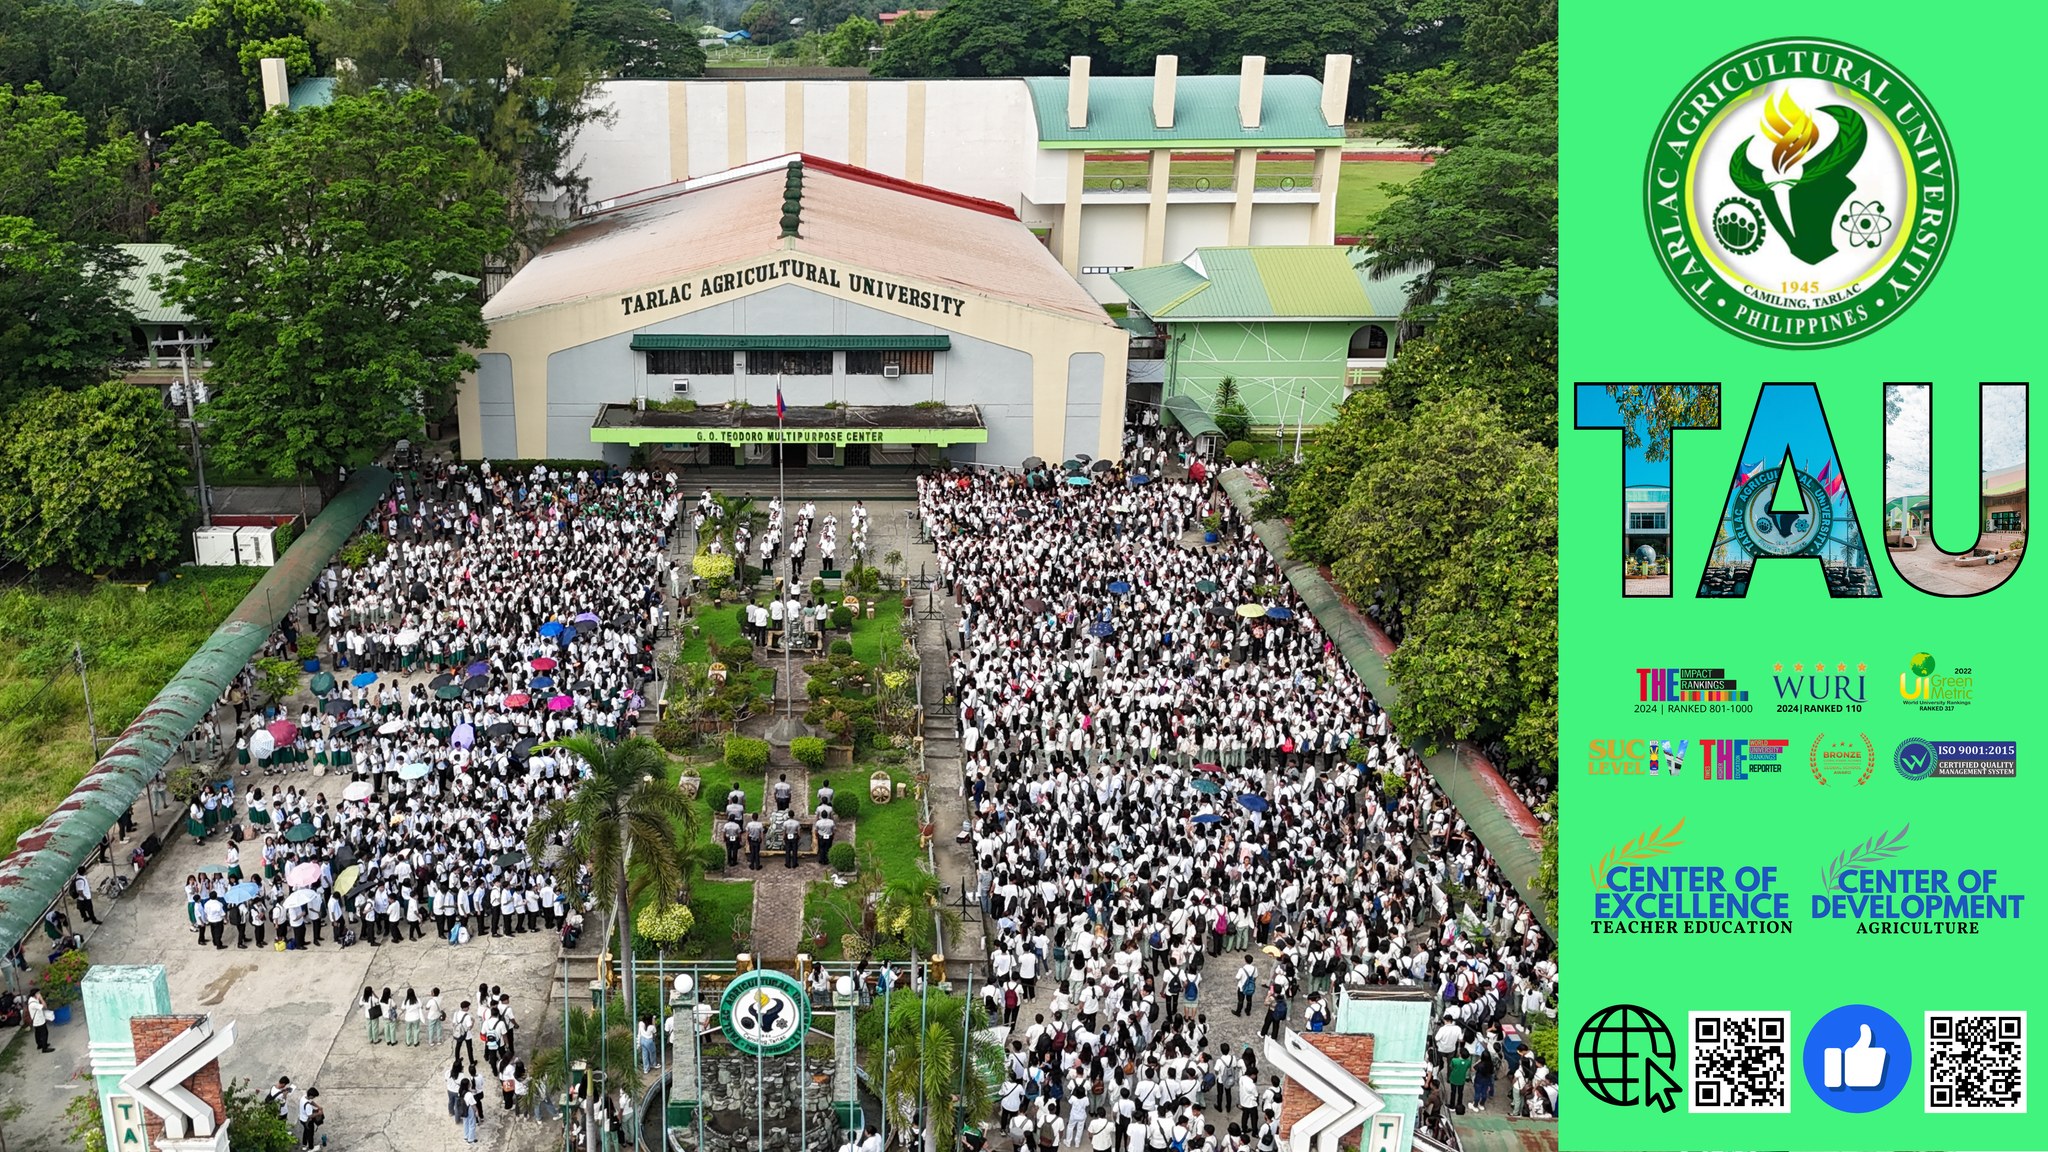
{"x": 1800, "y": 193}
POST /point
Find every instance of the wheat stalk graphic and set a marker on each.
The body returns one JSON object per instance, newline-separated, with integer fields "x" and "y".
{"x": 1882, "y": 846}
{"x": 1655, "y": 843}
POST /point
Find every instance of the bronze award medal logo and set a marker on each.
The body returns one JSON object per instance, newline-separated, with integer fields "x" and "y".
{"x": 1842, "y": 759}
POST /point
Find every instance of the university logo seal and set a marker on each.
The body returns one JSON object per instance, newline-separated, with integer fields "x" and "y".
{"x": 1800, "y": 193}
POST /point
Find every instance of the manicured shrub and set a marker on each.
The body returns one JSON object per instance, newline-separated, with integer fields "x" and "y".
{"x": 744, "y": 754}
{"x": 841, "y": 647}
{"x": 809, "y": 751}
{"x": 1238, "y": 451}
{"x": 842, "y": 857}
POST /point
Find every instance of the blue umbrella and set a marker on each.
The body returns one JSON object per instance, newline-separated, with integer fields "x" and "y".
{"x": 1079, "y": 481}
{"x": 1120, "y": 588}
{"x": 363, "y": 679}
{"x": 244, "y": 892}
{"x": 567, "y": 635}
{"x": 414, "y": 771}
{"x": 1206, "y": 787}
{"x": 1140, "y": 480}
{"x": 541, "y": 682}
{"x": 551, "y": 629}
{"x": 1276, "y": 612}
{"x": 477, "y": 669}
{"x": 1254, "y": 802}
{"x": 1102, "y": 628}
{"x": 1208, "y": 818}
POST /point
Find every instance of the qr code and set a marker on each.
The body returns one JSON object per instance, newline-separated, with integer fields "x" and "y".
{"x": 1739, "y": 1062}
{"x": 1977, "y": 1062}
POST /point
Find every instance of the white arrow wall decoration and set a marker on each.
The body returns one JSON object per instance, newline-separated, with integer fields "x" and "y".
{"x": 1345, "y": 1102}
{"x": 159, "y": 1082}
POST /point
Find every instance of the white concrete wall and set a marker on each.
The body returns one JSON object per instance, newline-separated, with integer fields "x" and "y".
{"x": 981, "y": 138}
{"x": 1276, "y": 224}
{"x": 826, "y": 131}
{"x": 617, "y": 161}
{"x": 1112, "y": 235}
{"x": 1192, "y": 226}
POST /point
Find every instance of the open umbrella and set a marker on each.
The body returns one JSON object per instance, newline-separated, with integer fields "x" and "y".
{"x": 363, "y": 679}
{"x": 1102, "y": 466}
{"x": 448, "y": 692}
{"x": 1120, "y": 588}
{"x": 442, "y": 681}
{"x": 499, "y": 729}
{"x": 1205, "y": 587}
{"x": 1253, "y": 802}
{"x": 336, "y": 707}
{"x": 346, "y": 882}
{"x": 476, "y": 683}
{"x": 1207, "y": 818}
{"x": 390, "y": 727}
{"x": 355, "y": 729}
{"x": 262, "y": 744}
{"x": 517, "y": 700}
{"x": 586, "y": 618}
{"x": 303, "y": 875}
{"x": 358, "y": 790}
{"x": 1083, "y": 457}
{"x": 1034, "y": 605}
{"x": 323, "y": 684}
{"x": 507, "y": 859}
{"x": 559, "y": 703}
{"x": 283, "y": 731}
{"x": 1079, "y": 481}
{"x": 301, "y": 898}
{"x": 1139, "y": 480}
{"x": 584, "y": 686}
{"x": 1251, "y": 611}
{"x": 344, "y": 856}
{"x": 1277, "y": 612}
{"x": 551, "y": 629}
{"x": 538, "y": 683}
{"x": 1216, "y": 610}
{"x": 464, "y": 736}
{"x": 1034, "y": 462}
{"x": 419, "y": 593}
{"x": 414, "y": 770}
{"x": 1071, "y": 464}
{"x": 524, "y": 748}
{"x": 543, "y": 663}
{"x": 1208, "y": 768}
{"x": 477, "y": 669}
{"x": 407, "y": 637}
{"x": 567, "y": 635}
{"x": 244, "y": 892}
{"x": 299, "y": 833}
{"x": 1207, "y": 787}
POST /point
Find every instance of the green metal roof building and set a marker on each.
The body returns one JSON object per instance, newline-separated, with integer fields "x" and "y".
{"x": 1295, "y": 327}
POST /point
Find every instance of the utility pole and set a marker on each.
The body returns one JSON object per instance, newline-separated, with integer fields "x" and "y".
{"x": 184, "y": 345}
{"x": 85, "y": 686}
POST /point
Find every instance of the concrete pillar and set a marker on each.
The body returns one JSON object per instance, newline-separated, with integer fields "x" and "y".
{"x": 1077, "y": 91}
{"x": 1070, "y": 212}
{"x": 1251, "y": 90}
{"x": 1156, "y": 182}
{"x": 1329, "y": 166}
{"x": 277, "y": 89}
{"x": 1243, "y": 176}
{"x": 115, "y": 994}
{"x": 1165, "y": 70}
{"x": 1336, "y": 88}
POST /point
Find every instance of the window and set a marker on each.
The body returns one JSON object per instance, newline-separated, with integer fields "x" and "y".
{"x": 689, "y": 362}
{"x": 1370, "y": 342}
{"x": 872, "y": 363}
{"x": 797, "y": 363}
{"x": 1646, "y": 521}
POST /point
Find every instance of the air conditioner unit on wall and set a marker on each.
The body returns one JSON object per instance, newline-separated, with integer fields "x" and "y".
{"x": 891, "y": 371}
{"x": 680, "y": 385}
{"x": 757, "y": 452}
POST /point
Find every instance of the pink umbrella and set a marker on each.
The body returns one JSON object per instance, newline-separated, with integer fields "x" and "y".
{"x": 518, "y": 700}
{"x": 463, "y": 737}
{"x": 559, "y": 703}
{"x": 283, "y": 731}
{"x": 303, "y": 875}
{"x": 543, "y": 663}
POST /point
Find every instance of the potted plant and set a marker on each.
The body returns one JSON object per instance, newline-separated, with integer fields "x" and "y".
{"x": 309, "y": 652}
{"x": 61, "y": 982}
{"x": 1212, "y": 525}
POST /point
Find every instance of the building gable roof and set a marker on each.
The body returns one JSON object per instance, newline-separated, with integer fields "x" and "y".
{"x": 1306, "y": 282}
{"x": 880, "y": 223}
{"x": 1204, "y": 108}
{"x": 146, "y": 305}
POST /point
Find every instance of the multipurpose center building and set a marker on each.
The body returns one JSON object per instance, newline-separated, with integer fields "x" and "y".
{"x": 920, "y": 265}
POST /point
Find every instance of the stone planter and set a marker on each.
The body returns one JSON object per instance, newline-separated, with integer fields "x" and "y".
{"x": 838, "y": 755}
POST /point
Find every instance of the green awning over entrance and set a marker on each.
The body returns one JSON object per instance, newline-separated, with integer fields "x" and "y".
{"x": 1188, "y": 412}
{"x": 663, "y": 341}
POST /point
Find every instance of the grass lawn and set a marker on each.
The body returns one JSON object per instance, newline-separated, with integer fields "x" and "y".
{"x": 890, "y": 831}
{"x": 717, "y": 903}
{"x": 134, "y": 643}
{"x": 1359, "y": 195}
{"x": 724, "y": 623}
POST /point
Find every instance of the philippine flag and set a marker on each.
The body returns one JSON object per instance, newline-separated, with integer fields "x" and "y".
{"x": 781, "y": 409}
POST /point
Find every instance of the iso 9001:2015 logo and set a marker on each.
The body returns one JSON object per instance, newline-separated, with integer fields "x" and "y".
{"x": 1800, "y": 193}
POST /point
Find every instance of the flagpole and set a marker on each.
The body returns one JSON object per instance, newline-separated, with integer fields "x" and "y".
{"x": 888, "y": 986}
{"x": 788, "y": 592}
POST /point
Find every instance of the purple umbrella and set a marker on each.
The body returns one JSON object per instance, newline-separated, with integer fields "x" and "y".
{"x": 586, "y": 618}
{"x": 463, "y": 736}
{"x": 477, "y": 669}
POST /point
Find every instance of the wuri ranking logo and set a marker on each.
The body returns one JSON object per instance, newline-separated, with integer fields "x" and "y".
{"x": 1800, "y": 193}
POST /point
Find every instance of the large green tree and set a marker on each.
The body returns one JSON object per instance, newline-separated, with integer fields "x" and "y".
{"x": 626, "y": 811}
{"x": 923, "y": 1050}
{"x": 52, "y": 172}
{"x": 125, "y": 67}
{"x": 63, "y": 323}
{"x": 638, "y": 41}
{"x": 236, "y": 36}
{"x": 848, "y": 44}
{"x": 332, "y": 260}
{"x": 91, "y": 480}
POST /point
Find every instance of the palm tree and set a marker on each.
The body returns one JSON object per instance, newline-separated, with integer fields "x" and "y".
{"x": 604, "y": 1043}
{"x": 922, "y": 1039}
{"x": 624, "y": 810}
{"x": 733, "y": 512}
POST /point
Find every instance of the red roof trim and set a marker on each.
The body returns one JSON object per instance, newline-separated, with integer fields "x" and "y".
{"x": 898, "y": 184}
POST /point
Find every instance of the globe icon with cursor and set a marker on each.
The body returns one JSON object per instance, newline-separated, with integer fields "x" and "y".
{"x": 1624, "y": 1056}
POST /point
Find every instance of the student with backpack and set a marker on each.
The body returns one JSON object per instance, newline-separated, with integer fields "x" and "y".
{"x": 1247, "y": 986}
